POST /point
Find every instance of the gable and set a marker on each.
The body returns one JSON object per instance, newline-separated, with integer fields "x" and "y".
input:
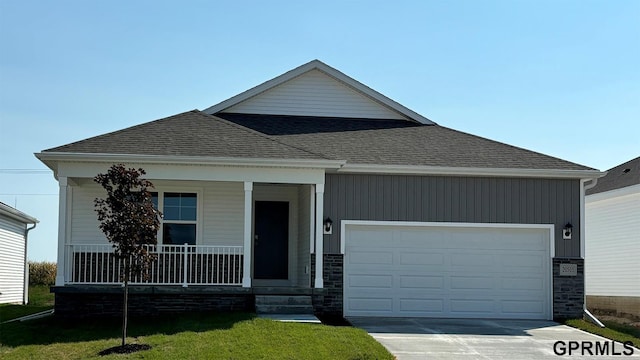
{"x": 315, "y": 93}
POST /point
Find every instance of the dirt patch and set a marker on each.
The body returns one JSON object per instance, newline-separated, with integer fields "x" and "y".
{"x": 127, "y": 349}
{"x": 619, "y": 320}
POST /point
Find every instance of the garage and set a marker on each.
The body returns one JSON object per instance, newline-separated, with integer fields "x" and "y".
{"x": 447, "y": 270}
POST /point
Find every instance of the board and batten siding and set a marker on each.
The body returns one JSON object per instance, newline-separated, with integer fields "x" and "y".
{"x": 612, "y": 244}
{"x": 12, "y": 269}
{"x": 222, "y": 211}
{"x": 304, "y": 223}
{"x": 454, "y": 199}
{"x": 315, "y": 94}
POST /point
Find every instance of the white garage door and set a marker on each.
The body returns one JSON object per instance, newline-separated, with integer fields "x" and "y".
{"x": 429, "y": 270}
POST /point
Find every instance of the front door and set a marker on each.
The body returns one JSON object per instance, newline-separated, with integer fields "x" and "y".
{"x": 271, "y": 240}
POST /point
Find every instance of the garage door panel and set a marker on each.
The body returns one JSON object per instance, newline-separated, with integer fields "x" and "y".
{"x": 421, "y": 282}
{"x": 371, "y": 304}
{"x": 420, "y": 258}
{"x": 372, "y": 257}
{"x": 371, "y": 281}
{"x": 422, "y": 272}
{"x": 433, "y": 306}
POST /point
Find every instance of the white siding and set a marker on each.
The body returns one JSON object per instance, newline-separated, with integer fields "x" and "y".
{"x": 304, "y": 256}
{"x": 315, "y": 94}
{"x": 222, "y": 211}
{"x": 11, "y": 261}
{"x": 612, "y": 246}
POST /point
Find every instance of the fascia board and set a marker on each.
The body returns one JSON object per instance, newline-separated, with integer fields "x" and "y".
{"x": 336, "y": 74}
{"x": 48, "y": 157}
{"x": 468, "y": 171}
{"x": 17, "y": 215}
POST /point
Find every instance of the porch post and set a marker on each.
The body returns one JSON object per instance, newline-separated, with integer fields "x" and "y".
{"x": 319, "y": 235}
{"x": 62, "y": 230}
{"x": 246, "y": 263}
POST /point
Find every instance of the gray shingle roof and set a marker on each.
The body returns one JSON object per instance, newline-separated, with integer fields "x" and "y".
{"x": 623, "y": 175}
{"x": 358, "y": 141}
{"x": 192, "y": 133}
{"x": 396, "y": 142}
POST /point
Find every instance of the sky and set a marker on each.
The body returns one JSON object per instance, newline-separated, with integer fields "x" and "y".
{"x": 558, "y": 77}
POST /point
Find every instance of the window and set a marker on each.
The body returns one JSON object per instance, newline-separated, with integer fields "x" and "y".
{"x": 180, "y": 216}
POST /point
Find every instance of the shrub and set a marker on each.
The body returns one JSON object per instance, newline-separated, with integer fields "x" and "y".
{"x": 42, "y": 273}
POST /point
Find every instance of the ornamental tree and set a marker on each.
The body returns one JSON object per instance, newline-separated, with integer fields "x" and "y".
{"x": 130, "y": 221}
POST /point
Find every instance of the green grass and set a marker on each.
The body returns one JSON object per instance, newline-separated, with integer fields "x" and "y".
{"x": 193, "y": 336}
{"x": 40, "y": 299}
{"x": 613, "y": 331}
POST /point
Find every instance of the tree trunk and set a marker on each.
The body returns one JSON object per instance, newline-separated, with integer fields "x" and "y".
{"x": 125, "y": 305}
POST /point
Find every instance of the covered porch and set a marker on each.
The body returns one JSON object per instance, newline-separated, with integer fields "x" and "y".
{"x": 254, "y": 227}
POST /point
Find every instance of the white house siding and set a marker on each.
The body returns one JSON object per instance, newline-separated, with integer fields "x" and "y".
{"x": 11, "y": 261}
{"x": 612, "y": 245}
{"x": 315, "y": 94}
{"x": 222, "y": 211}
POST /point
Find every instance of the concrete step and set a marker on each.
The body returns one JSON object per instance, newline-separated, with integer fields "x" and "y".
{"x": 284, "y": 309}
{"x": 283, "y": 304}
{"x": 283, "y": 300}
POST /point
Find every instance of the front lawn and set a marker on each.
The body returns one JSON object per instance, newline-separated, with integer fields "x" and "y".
{"x": 40, "y": 299}
{"x": 193, "y": 336}
{"x": 613, "y": 331}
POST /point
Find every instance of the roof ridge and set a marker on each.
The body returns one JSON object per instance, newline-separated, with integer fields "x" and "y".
{"x": 268, "y": 137}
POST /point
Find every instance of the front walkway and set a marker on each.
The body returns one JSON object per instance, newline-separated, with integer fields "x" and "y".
{"x": 424, "y": 338}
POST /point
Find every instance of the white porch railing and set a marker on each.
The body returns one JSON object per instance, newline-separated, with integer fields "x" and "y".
{"x": 175, "y": 265}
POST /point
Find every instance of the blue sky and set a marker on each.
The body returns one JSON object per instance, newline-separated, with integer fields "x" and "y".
{"x": 557, "y": 77}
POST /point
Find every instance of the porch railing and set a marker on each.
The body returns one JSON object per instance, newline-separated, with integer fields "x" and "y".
{"x": 175, "y": 265}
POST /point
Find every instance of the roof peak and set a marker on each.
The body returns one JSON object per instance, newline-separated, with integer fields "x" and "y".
{"x": 329, "y": 71}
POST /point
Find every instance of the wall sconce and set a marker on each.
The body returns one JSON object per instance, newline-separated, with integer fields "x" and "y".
{"x": 566, "y": 232}
{"x": 328, "y": 226}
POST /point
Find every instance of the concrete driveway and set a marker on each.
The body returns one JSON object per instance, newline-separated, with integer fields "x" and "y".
{"x": 423, "y": 338}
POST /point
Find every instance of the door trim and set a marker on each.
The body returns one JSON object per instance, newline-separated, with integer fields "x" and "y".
{"x": 285, "y": 193}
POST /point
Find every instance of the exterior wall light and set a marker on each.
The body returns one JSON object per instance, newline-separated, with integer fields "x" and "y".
{"x": 328, "y": 226}
{"x": 566, "y": 232}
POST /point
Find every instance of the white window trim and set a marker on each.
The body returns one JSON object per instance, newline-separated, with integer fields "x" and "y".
{"x": 199, "y": 209}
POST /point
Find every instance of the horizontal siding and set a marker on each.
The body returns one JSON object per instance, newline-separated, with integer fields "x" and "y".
{"x": 315, "y": 94}
{"x": 222, "y": 211}
{"x": 11, "y": 261}
{"x": 612, "y": 246}
{"x": 454, "y": 199}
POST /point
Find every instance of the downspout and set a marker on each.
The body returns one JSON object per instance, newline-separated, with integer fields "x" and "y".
{"x": 25, "y": 295}
{"x": 583, "y": 189}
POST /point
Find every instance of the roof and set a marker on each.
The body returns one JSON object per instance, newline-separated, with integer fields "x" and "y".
{"x": 15, "y": 214}
{"x": 623, "y": 175}
{"x": 337, "y": 75}
{"x": 393, "y": 142}
{"x": 191, "y": 133}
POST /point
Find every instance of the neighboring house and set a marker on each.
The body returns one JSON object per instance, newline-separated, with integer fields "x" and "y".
{"x": 14, "y": 276}
{"x": 313, "y": 184}
{"x": 613, "y": 242}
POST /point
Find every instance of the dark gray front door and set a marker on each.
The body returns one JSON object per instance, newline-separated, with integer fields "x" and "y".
{"x": 271, "y": 240}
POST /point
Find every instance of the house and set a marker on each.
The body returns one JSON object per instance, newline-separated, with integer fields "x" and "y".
{"x": 314, "y": 185}
{"x": 613, "y": 242}
{"x": 14, "y": 274}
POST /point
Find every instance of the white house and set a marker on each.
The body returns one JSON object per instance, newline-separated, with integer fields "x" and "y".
{"x": 13, "y": 254}
{"x": 613, "y": 241}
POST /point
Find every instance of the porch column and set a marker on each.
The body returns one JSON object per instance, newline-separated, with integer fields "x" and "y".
{"x": 62, "y": 229}
{"x": 319, "y": 235}
{"x": 248, "y": 211}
